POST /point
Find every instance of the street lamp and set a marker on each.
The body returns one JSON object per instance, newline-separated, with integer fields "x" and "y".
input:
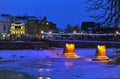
{"x": 117, "y": 32}
{"x": 74, "y": 31}
{"x": 47, "y": 23}
{"x": 41, "y": 31}
{"x": 50, "y": 32}
{"x": 42, "y": 34}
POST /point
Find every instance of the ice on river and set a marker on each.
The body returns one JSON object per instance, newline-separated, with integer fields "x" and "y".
{"x": 49, "y": 64}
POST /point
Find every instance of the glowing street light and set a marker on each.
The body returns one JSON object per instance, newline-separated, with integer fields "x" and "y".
{"x": 42, "y": 31}
{"x": 117, "y": 32}
{"x": 74, "y": 31}
{"x": 50, "y": 32}
{"x": 47, "y": 23}
{"x": 42, "y": 34}
{"x": 44, "y": 78}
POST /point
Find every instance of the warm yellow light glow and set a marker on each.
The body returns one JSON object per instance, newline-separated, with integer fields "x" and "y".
{"x": 44, "y": 78}
{"x": 40, "y": 78}
{"x": 101, "y": 50}
{"x": 19, "y": 31}
{"x": 42, "y": 36}
{"x": 42, "y": 31}
{"x": 117, "y": 32}
{"x": 74, "y": 31}
{"x": 101, "y": 53}
{"x": 70, "y": 48}
{"x": 69, "y": 51}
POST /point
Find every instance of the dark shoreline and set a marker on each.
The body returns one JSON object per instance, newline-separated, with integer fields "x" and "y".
{"x": 23, "y": 45}
{"x": 56, "y": 43}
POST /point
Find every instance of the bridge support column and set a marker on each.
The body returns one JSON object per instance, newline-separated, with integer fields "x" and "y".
{"x": 101, "y": 53}
{"x": 69, "y": 51}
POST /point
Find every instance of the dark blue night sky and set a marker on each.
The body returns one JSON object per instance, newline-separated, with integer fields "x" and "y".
{"x": 61, "y": 12}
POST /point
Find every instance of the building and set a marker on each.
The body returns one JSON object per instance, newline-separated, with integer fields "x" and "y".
{"x": 90, "y": 27}
{"x": 17, "y": 29}
{"x": 47, "y": 25}
{"x": 14, "y": 26}
{"x": 108, "y": 30}
{"x": 32, "y": 27}
{"x": 4, "y": 27}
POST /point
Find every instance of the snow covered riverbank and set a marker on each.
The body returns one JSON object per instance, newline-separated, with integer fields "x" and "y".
{"x": 49, "y": 64}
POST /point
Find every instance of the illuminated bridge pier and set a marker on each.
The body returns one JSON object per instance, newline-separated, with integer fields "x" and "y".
{"x": 101, "y": 53}
{"x": 69, "y": 51}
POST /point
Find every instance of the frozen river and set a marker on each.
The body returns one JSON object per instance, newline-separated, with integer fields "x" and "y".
{"x": 50, "y": 64}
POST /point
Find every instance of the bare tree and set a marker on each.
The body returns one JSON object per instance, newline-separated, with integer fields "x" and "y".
{"x": 106, "y": 11}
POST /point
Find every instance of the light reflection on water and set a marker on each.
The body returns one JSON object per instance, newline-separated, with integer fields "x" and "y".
{"x": 44, "y": 78}
{"x": 43, "y": 69}
{"x": 68, "y": 64}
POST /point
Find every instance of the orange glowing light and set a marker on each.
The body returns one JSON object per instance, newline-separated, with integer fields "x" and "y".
{"x": 70, "y": 48}
{"x": 101, "y": 50}
{"x": 69, "y": 51}
{"x": 101, "y": 53}
{"x": 44, "y": 78}
{"x": 42, "y": 31}
{"x": 74, "y": 31}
